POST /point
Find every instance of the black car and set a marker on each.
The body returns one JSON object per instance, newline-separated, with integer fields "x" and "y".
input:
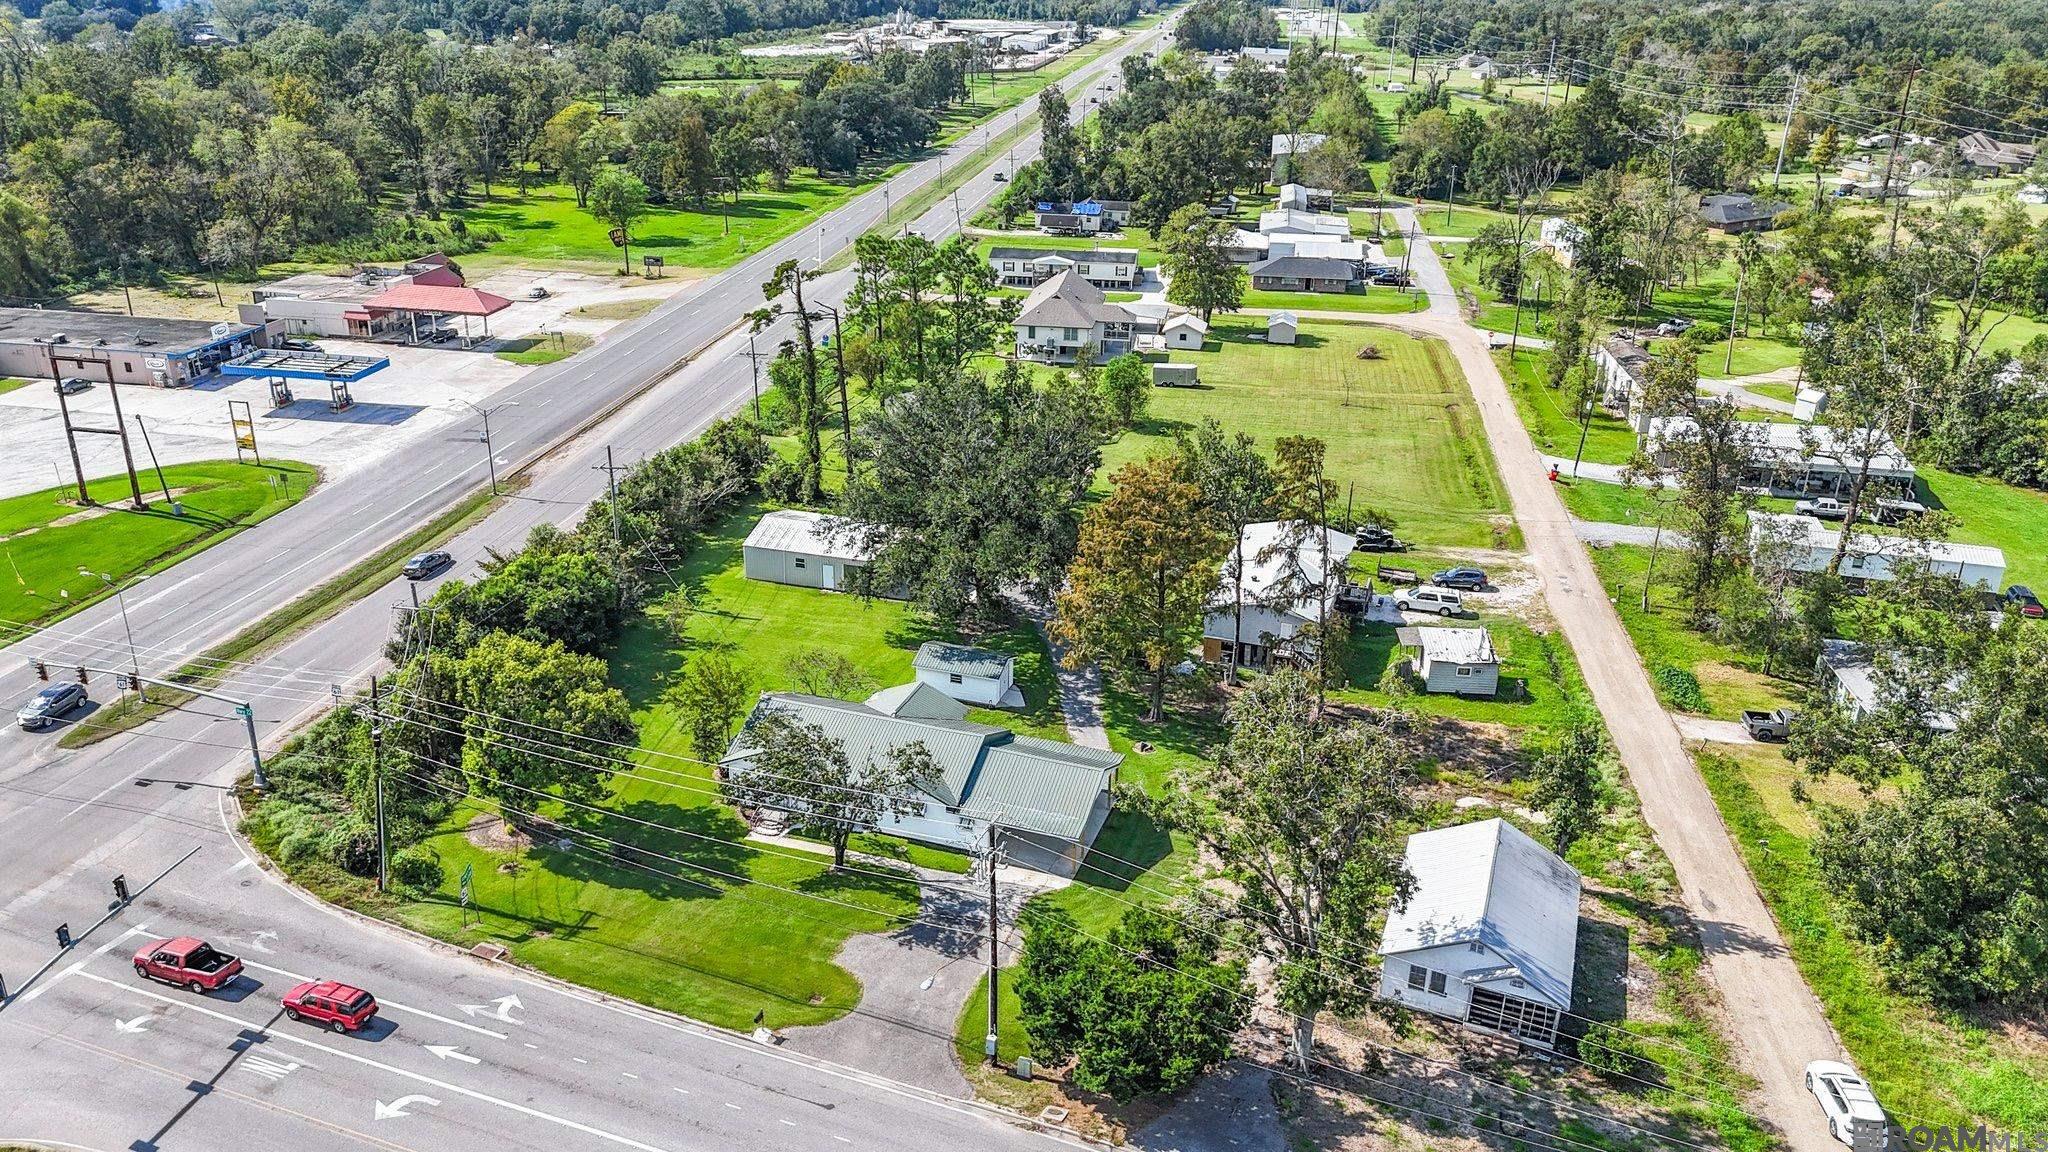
{"x": 2021, "y": 599}
{"x": 73, "y": 385}
{"x": 426, "y": 564}
{"x": 1373, "y": 538}
{"x": 293, "y": 344}
{"x": 1392, "y": 280}
{"x": 49, "y": 705}
{"x": 1466, "y": 579}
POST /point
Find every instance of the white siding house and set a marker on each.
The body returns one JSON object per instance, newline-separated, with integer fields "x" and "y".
{"x": 1029, "y": 267}
{"x": 1453, "y": 661}
{"x": 1490, "y": 934}
{"x": 1067, "y": 314}
{"x": 1804, "y": 544}
{"x": 969, "y": 675}
{"x": 1283, "y": 580}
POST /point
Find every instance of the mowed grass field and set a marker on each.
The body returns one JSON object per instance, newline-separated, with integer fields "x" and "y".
{"x": 45, "y": 539}
{"x": 546, "y": 228}
{"x": 1403, "y": 433}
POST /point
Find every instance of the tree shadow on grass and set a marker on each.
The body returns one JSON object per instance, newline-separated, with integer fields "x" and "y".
{"x": 1130, "y": 844}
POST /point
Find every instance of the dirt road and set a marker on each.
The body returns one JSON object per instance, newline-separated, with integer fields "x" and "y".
{"x": 1776, "y": 1022}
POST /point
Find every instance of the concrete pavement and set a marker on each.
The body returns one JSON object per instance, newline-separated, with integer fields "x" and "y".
{"x": 1777, "y": 1024}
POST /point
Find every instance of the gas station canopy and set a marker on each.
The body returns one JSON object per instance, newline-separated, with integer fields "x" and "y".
{"x": 281, "y": 366}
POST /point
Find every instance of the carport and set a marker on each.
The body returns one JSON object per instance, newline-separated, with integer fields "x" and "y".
{"x": 281, "y": 367}
{"x": 434, "y": 301}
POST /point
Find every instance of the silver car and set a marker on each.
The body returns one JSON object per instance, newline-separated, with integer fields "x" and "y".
{"x": 1852, "y": 1110}
{"x": 50, "y": 705}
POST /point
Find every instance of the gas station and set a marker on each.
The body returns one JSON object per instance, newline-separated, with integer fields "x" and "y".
{"x": 281, "y": 367}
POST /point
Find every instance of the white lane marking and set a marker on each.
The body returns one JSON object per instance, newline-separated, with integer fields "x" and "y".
{"x": 499, "y": 1009}
{"x": 109, "y": 946}
{"x": 123, "y": 782}
{"x": 733, "y": 1106}
{"x": 238, "y": 865}
{"x": 530, "y": 1045}
{"x": 46, "y": 985}
{"x": 398, "y": 1107}
{"x": 579, "y": 1059}
{"x": 684, "y": 1091}
{"x": 452, "y": 1052}
{"x": 788, "y": 1123}
{"x": 133, "y": 1024}
{"x": 271, "y": 1070}
{"x": 841, "y": 1139}
{"x": 443, "y": 1085}
{"x": 383, "y": 1003}
{"x": 630, "y": 1075}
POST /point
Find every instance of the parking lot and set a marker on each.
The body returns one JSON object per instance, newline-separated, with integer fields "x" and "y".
{"x": 424, "y": 394}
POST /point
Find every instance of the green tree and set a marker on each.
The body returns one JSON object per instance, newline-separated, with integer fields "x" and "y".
{"x": 1142, "y": 574}
{"x": 1568, "y": 783}
{"x": 1196, "y": 260}
{"x": 1701, "y": 459}
{"x": 1306, "y": 816}
{"x": 1127, "y": 385}
{"x": 1826, "y": 149}
{"x": 619, "y": 198}
{"x": 537, "y": 718}
{"x": 1142, "y": 1012}
{"x": 1238, "y": 490}
{"x": 785, "y": 762}
{"x": 710, "y": 694}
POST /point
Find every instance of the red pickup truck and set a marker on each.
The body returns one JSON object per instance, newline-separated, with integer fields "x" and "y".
{"x": 187, "y": 961}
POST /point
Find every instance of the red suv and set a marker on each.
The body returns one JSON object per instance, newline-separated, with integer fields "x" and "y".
{"x": 188, "y": 961}
{"x": 338, "y": 1006}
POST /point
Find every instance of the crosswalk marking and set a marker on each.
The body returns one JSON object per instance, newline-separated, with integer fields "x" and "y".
{"x": 271, "y": 1070}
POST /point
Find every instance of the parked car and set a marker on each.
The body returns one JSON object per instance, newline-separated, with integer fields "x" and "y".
{"x": 73, "y": 385}
{"x": 1891, "y": 511}
{"x": 341, "y": 1007}
{"x": 1392, "y": 280}
{"x": 1469, "y": 579}
{"x": 189, "y": 962}
{"x": 1374, "y": 538}
{"x": 537, "y": 292}
{"x": 2021, "y": 599}
{"x": 294, "y": 344}
{"x": 51, "y": 704}
{"x": 1846, "y": 1101}
{"x": 1775, "y": 725}
{"x": 1676, "y": 326}
{"x": 426, "y": 564}
{"x": 1823, "y": 508}
{"x": 1441, "y": 601}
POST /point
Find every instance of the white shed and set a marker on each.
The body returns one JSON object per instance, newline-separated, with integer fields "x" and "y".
{"x": 1490, "y": 934}
{"x": 1280, "y": 328}
{"x": 1458, "y": 661}
{"x": 807, "y": 549}
{"x": 1185, "y": 331}
{"x": 969, "y": 675}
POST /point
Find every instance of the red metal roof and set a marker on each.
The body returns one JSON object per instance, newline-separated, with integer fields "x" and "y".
{"x": 439, "y": 298}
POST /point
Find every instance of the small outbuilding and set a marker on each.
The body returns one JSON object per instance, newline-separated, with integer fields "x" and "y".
{"x": 804, "y": 549}
{"x": 1490, "y": 934}
{"x": 1280, "y": 328}
{"x": 969, "y": 675}
{"x": 1175, "y": 375}
{"x": 1185, "y": 331}
{"x": 1455, "y": 661}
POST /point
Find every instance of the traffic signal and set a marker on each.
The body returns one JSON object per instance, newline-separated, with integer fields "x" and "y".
{"x": 63, "y": 935}
{"x": 42, "y": 669}
{"x": 121, "y": 888}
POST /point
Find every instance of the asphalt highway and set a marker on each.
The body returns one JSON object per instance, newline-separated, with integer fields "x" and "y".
{"x": 96, "y": 1057}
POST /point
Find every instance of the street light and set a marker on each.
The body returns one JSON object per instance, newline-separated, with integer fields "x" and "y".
{"x": 120, "y": 601}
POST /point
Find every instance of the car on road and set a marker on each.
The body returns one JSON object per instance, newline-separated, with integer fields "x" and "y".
{"x": 426, "y": 564}
{"x": 2021, "y": 599}
{"x": 50, "y": 705}
{"x": 1846, "y": 1100}
{"x": 73, "y": 385}
{"x": 1822, "y": 508}
{"x": 188, "y": 962}
{"x": 342, "y": 1007}
{"x": 1441, "y": 601}
{"x": 999, "y": 178}
{"x": 1468, "y": 579}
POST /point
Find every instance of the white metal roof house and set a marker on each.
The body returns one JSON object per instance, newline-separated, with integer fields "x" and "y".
{"x": 1296, "y": 143}
{"x": 1067, "y": 314}
{"x": 1802, "y": 459}
{"x": 969, "y": 675}
{"x": 1454, "y": 661}
{"x": 806, "y": 549}
{"x": 1490, "y": 934}
{"x": 1283, "y": 577}
{"x": 1859, "y": 682}
{"x": 1804, "y": 544}
{"x": 1048, "y": 800}
{"x": 1304, "y": 198}
{"x": 1280, "y": 221}
{"x": 1281, "y": 327}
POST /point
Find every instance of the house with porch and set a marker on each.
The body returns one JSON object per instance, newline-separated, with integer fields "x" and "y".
{"x": 1111, "y": 268}
{"x": 1303, "y": 274}
{"x": 1280, "y": 582}
{"x": 1066, "y": 315}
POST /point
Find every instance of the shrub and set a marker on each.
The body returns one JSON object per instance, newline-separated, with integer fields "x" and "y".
{"x": 1613, "y": 1054}
{"x": 418, "y": 868}
{"x": 1705, "y": 333}
{"x": 1679, "y": 688}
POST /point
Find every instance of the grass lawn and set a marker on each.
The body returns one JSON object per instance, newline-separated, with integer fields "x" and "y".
{"x": 1359, "y": 299}
{"x": 1988, "y": 512}
{"x": 44, "y": 552}
{"x": 1932, "y": 1067}
{"x": 1553, "y": 428}
{"x": 1663, "y": 640}
{"x": 537, "y": 350}
{"x": 1775, "y": 390}
{"x": 1495, "y": 313}
{"x": 1463, "y": 219}
{"x": 1539, "y": 679}
{"x": 618, "y": 309}
{"x": 1128, "y": 239}
{"x": 1403, "y": 433}
{"x": 545, "y": 228}
{"x": 9, "y": 384}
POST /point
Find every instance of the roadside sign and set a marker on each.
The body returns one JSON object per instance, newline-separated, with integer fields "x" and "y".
{"x": 468, "y": 874}
{"x": 618, "y": 236}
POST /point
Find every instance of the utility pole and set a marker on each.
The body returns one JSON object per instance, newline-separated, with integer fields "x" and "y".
{"x": 1785, "y": 131}
{"x": 994, "y": 955}
{"x": 1735, "y": 318}
{"x": 611, "y": 483}
{"x": 1450, "y": 194}
{"x": 1892, "y": 158}
{"x": 957, "y": 226}
{"x": 839, "y": 369}
{"x": 377, "y": 779}
{"x": 490, "y": 453}
{"x": 1548, "y": 70}
{"x": 754, "y": 359}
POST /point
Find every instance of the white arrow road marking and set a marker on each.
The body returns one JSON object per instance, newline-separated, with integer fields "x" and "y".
{"x": 398, "y": 1107}
{"x": 452, "y": 1052}
{"x": 138, "y": 1024}
{"x": 256, "y": 941}
{"x": 345, "y": 1054}
{"x": 499, "y": 1009}
{"x": 383, "y": 1003}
